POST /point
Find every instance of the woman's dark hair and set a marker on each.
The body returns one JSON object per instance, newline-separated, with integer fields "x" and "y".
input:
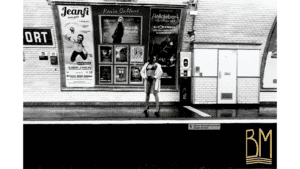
{"x": 151, "y": 58}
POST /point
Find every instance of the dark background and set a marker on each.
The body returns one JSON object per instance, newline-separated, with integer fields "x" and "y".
{"x": 142, "y": 146}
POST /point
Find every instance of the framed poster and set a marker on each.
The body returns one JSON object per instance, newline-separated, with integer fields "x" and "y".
{"x": 105, "y": 73}
{"x": 78, "y": 46}
{"x": 137, "y": 54}
{"x": 164, "y": 39}
{"x": 135, "y": 74}
{"x": 121, "y": 74}
{"x": 120, "y": 29}
{"x": 121, "y": 54}
{"x": 105, "y": 53}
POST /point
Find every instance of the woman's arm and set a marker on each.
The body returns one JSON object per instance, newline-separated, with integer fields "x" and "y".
{"x": 158, "y": 71}
{"x": 143, "y": 71}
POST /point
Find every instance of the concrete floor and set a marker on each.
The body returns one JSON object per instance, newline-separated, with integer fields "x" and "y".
{"x": 86, "y": 113}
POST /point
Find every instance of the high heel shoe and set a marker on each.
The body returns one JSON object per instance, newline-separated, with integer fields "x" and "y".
{"x": 157, "y": 113}
{"x": 146, "y": 112}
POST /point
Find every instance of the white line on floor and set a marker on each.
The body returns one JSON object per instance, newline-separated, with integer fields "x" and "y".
{"x": 197, "y": 111}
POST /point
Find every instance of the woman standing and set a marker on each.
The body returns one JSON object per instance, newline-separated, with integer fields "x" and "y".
{"x": 152, "y": 72}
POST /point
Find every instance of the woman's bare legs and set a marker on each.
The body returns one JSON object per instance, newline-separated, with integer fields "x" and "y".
{"x": 147, "y": 100}
{"x": 157, "y": 101}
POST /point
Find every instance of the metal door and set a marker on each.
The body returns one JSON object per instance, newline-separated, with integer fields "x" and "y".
{"x": 227, "y": 76}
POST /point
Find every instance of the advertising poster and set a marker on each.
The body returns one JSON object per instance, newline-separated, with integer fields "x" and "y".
{"x": 121, "y": 74}
{"x": 135, "y": 74}
{"x": 121, "y": 54}
{"x": 120, "y": 29}
{"x": 78, "y": 45}
{"x": 105, "y": 74}
{"x": 105, "y": 53}
{"x": 137, "y": 54}
{"x": 164, "y": 29}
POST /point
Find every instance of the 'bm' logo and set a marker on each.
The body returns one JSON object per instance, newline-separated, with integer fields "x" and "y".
{"x": 257, "y": 159}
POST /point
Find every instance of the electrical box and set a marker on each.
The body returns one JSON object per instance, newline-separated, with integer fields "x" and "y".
{"x": 185, "y": 64}
{"x": 185, "y": 90}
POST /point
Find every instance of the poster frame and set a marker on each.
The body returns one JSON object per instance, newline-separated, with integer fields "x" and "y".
{"x": 183, "y": 17}
{"x": 62, "y": 48}
{"x": 111, "y": 78}
{"x": 99, "y": 53}
{"x": 127, "y": 54}
{"x": 115, "y": 71}
{"x": 131, "y": 54}
{"x": 132, "y": 16}
{"x": 129, "y": 70}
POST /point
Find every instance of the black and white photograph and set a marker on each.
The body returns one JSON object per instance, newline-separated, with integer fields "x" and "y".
{"x": 121, "y": 54}
{"x": 206, "y": 65}
{"x": 135, "y": 76}
{"x": 137, "y": 54}
{"x": 121, "y": 74}
{"x": 105, "y": 53}
{"x": 106, "y": 74}
{"x": 120, "y": 29}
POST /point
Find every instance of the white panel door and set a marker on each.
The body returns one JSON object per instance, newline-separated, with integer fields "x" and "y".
{"x": 227, "y": 76}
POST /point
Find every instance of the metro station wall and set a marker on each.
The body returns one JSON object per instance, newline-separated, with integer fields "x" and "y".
{"x": 42, "y": 81}
{"x": 248, "y": 90}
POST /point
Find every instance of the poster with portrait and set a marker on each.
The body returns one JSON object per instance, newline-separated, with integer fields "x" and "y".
{"x": 121, "y": 74}
{"x": 121, "y": 53}
{"x": 105, "y": 73}
{"x": 164, "y": 30}
{"x": 137, "y": 54}
{"x": 135, "y": 74}
{"x": 105, "y": 53}
{"x": 78, "y": 45}
{"x": 120, "y": 29}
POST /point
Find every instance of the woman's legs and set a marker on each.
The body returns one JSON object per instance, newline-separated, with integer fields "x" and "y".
{"x": 157, "y": 101}
{"x": 147, "y": 100}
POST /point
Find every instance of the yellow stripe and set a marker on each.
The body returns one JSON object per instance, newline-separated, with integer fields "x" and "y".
{"x": 259, "y": 158}
{"x": 260, "y": 163}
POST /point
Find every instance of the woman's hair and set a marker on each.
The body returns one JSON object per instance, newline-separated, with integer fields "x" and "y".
{"x": 151, "y": 58}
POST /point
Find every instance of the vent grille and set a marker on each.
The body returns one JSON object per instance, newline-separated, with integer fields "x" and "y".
{"x": 226, "y": 96}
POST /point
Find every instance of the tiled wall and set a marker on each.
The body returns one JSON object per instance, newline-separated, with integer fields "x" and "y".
{"x": 268, "y": 96}
{"x": 41, "y": 80}
{"x": 248, "y": 90}
{"x": 229, "y": 21}
{"x": 204, "y": 90}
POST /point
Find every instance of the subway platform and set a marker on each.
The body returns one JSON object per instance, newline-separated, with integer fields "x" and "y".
{"x": 167, "y": 112}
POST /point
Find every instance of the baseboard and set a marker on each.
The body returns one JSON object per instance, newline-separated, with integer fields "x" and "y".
{"x": 269, "y": 104}
{"x": 226, "y": 106}
{"x": 32, "y": 104}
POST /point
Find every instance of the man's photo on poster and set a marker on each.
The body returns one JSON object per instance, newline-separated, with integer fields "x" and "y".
{"x": 135, "y": 74}
{"x": 105, "y": 53}
{"x": 120, "y": 29}
{"x": 79, "y": 48}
